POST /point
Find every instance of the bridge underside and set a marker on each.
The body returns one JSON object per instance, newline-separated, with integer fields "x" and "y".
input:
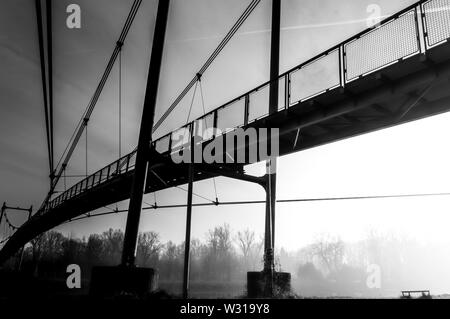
{"x": 411, "y": 89}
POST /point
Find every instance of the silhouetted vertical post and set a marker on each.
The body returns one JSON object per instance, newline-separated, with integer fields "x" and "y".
{"x": 273, "y": 94}
{"x": 271, "y": 164}
{"x": 268, "y": 258}
{"x": 187, "y": 241}
{"x": 145, "y": 136}
{"x": 275, "y": 56}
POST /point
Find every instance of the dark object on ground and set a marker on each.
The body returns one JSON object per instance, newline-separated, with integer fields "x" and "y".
{"x": 159, "y": 295}
{"x": 424, "y": 294}
{"x": 122, "y": 282}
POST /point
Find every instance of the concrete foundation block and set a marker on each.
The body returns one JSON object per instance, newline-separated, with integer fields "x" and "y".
{"x": 256, "y": 284}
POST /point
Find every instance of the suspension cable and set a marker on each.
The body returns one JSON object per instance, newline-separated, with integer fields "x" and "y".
{"x": 259, "y": 202}
{"x": 44, "y": 81}
{"x": 192, "y": 103}
{"x": 195, "y": 194}
{"x": 208, "y": 62}
{"x": 206, "y": 124}
{"x": 65, "y": 157}
{"x": 181, "y": 188}
{"x": 120, "y": 103}
{"x": 86, "y": 132}
{"x": 93, "y": 101}
{"x": 50, "y": 77}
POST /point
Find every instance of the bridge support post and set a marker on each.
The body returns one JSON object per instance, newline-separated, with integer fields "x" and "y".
{"x": 187, "y": 241}
{"x": 145, "y": 136}
{"x": 273, "y": 102}
{"x": 269, "y": 283}
{"x": 113, "y": 281}
{"x": 269, "y": 265}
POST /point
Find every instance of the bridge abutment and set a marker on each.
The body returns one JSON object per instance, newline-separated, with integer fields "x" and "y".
{"x": 257, "y": 282}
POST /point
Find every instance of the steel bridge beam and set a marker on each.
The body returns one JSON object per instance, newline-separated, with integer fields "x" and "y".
{"x": 187, "y": 241}
{"x": 145, "y": 135}
{"x": 225, "y": 172}
{"x": 269, "y": 234}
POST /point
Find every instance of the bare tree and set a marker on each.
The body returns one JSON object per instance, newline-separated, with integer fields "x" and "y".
{"x": 113, "y": 241}
{"x": 245, "y": 240}
{"x": 219, "y": 240}
{"x": 250, "y": 248}
{"x": 48, "y": 245}
{"x": 330, "y": 251}
{"x": 171, "y": 261}
{"x": 94, "y": 249}
{"x": 148, "y": 248}
{"x": 220, "y": 252}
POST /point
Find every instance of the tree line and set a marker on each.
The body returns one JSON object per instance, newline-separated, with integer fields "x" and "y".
{"x": 326, "y": 267}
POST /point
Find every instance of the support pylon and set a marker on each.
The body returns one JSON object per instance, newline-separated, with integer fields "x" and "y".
{"x": 269, "y": 242}
{"x": 145, "y": 136}
{"x": 187, "y": 241}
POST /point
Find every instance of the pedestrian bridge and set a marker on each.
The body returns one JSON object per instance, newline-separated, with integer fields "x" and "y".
{"x": 392, "y": 73}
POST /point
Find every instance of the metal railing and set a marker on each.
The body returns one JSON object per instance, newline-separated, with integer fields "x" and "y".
{"x": 395, "y": 39}
{"x": 118, "y": 167}
{"x": 436, "y": 21}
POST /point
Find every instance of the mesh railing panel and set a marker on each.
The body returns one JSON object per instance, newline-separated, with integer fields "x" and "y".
{"x": 259, "y": 100}
{"x": 162, "y": 145}
{"x": 386, "y": 44}
{"x": 282, "y": 93}
{"x": 315, "y": 77}
{"x": 258, "y": 104}
{"x": 132, "y": 161}
{"x": 437, "y": 21}
{"x": 114, "y": 168}
{"x": 103, "y": 174}
{"x": 204, "y": 126}
{"x": 231, "y": 116}
{"x": 181, "y": 138}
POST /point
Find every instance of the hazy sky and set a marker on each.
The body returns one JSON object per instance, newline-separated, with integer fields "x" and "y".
{"x": 411, "y": 158}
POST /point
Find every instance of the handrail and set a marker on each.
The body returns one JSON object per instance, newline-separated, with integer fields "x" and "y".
{"x": 92, "y": 180}
{"x": 342, "y": 68}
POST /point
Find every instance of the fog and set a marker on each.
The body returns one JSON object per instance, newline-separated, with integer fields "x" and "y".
{"x": 380, "y": 265}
